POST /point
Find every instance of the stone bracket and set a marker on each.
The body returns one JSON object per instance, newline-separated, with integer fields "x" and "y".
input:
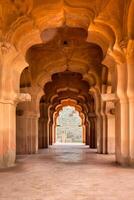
{"x": 109, "y": 97}
{"x": 22, "y": 97}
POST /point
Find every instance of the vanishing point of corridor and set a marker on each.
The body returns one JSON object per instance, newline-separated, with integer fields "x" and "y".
{"x": 66, "y": 172}
{"x": 66, "y": 77}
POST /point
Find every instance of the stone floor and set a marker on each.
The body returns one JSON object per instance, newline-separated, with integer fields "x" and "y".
{"x": 66, "y": 172}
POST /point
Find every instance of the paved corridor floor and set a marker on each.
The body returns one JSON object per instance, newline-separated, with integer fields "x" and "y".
{"x": 66, "y": 172}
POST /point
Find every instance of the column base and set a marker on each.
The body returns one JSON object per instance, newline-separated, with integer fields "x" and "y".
{"x": 7, "y": 133}
{"x": 8, "y": 159}
{"x": 131, "y": 162}
{"x": 123, "y": 161}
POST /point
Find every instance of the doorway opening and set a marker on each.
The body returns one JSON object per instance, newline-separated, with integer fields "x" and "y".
{"x": 69, "y": 126}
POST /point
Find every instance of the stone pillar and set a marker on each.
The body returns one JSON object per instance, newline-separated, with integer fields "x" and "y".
{"x": 110, "y": 113}
{"x": 104, "y": 122}
{"x": 50, "y": 132}
{"x": 83, "y": 133}
{"x": 41, "y": 139}
{"x": 122, "y": 117}
{"x": 87, "y": 133}
{"x": 27, "y": 125}
{"x": 130, "y": 94}
{"x": 11, "y": 65}
{"x": 7, "y": 133}
{"x": 27, "y": 130}
{"x": 103, "y": 137}
{"x": 43, "y": 126}
{"x": 54, "y": 133}
{"x": 99, "y": 123}
{"x": 46, "y": 133}
{"x": 51, "y": 111}
{"x": 92, "y": 132}
{"x": 110, "y": 99}
{"x": 99, "y": 133}
{"x": 8, "y": 129}
{"x": 43, "y": 133}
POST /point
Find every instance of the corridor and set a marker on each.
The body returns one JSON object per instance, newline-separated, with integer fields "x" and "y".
{"x": 66, "y": 172}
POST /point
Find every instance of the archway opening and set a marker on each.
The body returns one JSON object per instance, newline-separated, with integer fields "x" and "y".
{"x": 69, "y": 126}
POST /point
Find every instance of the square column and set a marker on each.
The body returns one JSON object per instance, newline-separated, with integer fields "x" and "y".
{"x": 122, "y": 132}
{"x": 109, "y": 99}
{"x": 122, "y": 116}
{"x": 27, "y": 134}
{"x": 130, "y": 94}
{"x": 7, "y": 133}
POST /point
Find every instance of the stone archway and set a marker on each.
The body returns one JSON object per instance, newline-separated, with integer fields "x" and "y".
{"x": 69, "y": 126}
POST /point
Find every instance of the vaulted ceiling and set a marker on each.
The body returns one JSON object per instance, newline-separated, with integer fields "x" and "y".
{"x": 105, "y": 18}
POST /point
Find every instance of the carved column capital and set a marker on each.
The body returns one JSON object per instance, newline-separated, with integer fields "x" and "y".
{"x": 109, "y": 97}
{"x": 130, "y": 51}
{"x": 118, "y": 55}
{"x": 22, "y": 97}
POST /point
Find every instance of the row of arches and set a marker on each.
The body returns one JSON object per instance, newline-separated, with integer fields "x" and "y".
{"x": 68, "y": 90}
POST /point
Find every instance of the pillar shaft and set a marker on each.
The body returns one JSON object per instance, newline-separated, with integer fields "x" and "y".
{"x": 99, "y": 134}
{"x": 87, "y": 133}
{"x": 27, "y": 134}
{"x": 104, "y": 128}
{"x": 131, "y": 131}
{"x": 83, "y": 134}
{"x": 130, "y": 94}
{"x": 50, "y": 133}
{"x": 46, "y": 133}
{"x": 110, "y": 133}
{"x": 27, "y": 126}
{"x": 43, "y": 133}
{"x": 122, "y": 117}
{"x": 54, "y": 133}
{"x": 92, "y": 133}
{"x": 7, "y": 134}
{"x": 110, "y": 119}
{"x": 41, "y": 139}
